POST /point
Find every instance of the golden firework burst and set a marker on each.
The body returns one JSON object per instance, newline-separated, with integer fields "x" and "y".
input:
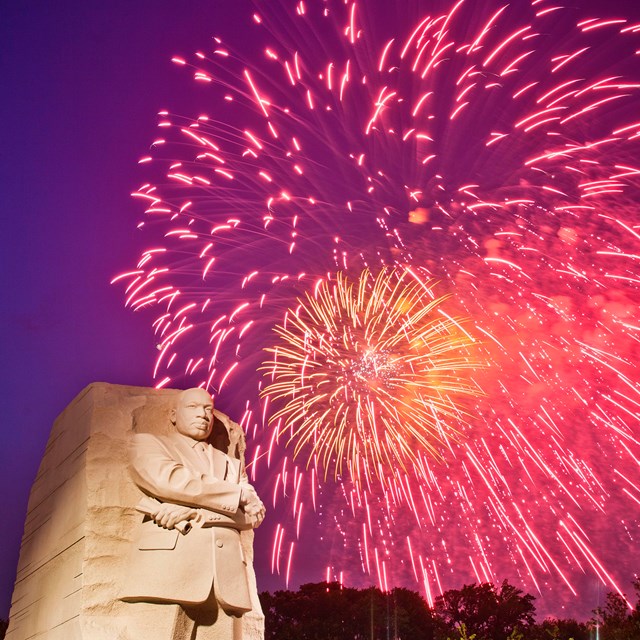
{"x": 370, "y": 371}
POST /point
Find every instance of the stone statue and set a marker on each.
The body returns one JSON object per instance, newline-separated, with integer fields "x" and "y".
{"x": 82, "y": 532}
{"x": 187, "y": 576}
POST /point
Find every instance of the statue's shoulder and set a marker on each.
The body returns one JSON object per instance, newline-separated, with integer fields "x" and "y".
{"x": 149, "y": 440}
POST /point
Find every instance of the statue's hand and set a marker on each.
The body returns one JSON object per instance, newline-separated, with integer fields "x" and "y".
{"x": 168, "y": 515}
{"x": 258, "y": 515}
{"x": 252, "y": 505}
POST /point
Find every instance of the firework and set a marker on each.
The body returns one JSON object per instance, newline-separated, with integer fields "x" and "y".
{"x": 490, "y": 147}
{"x": 370, "y": 372}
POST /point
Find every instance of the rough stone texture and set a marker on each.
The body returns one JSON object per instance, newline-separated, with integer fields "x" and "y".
{"x": 80, "y": 520}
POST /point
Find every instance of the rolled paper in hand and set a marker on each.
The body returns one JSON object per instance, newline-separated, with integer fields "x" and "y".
{"x": 149, "y": 506}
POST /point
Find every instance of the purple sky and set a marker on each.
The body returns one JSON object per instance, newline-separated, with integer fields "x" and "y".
{"x": 82, "y": 82}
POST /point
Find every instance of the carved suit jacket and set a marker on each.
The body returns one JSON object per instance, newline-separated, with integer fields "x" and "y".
{"x": 167, "y": 566}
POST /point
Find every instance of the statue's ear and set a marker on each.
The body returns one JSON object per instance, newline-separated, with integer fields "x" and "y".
{"x": 172, "y": 416}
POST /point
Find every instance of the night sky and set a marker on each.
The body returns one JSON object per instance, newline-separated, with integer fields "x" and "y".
{"x": 82, "y": 83}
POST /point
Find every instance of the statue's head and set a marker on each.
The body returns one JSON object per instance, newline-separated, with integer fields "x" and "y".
{"x": 193, "y": 414}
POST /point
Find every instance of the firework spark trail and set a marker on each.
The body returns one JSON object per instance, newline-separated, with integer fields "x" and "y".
{"x": 507, "y": 136}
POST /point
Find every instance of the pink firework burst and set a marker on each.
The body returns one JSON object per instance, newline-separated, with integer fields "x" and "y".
{"x": 490, "y": 146}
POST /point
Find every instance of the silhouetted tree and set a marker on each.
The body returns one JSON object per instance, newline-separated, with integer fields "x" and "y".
{"x": 484, "y": 610}
{"x": 329, "y": 611}
{"x": 408, "y": 616}
{"x": 3, "y": 628}
{"x": 314, "y": 612}
{"x": 559, "y": 629}
{"x": 617, "y": 620}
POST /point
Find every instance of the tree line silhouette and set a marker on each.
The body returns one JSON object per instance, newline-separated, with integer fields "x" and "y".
{"x": 331, "y": 611}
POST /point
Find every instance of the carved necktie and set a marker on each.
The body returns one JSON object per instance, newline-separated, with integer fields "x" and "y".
{"x": 206, "y": 453}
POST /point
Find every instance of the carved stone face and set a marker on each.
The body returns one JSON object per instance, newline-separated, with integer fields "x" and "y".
{"x": 193, "y": 415}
